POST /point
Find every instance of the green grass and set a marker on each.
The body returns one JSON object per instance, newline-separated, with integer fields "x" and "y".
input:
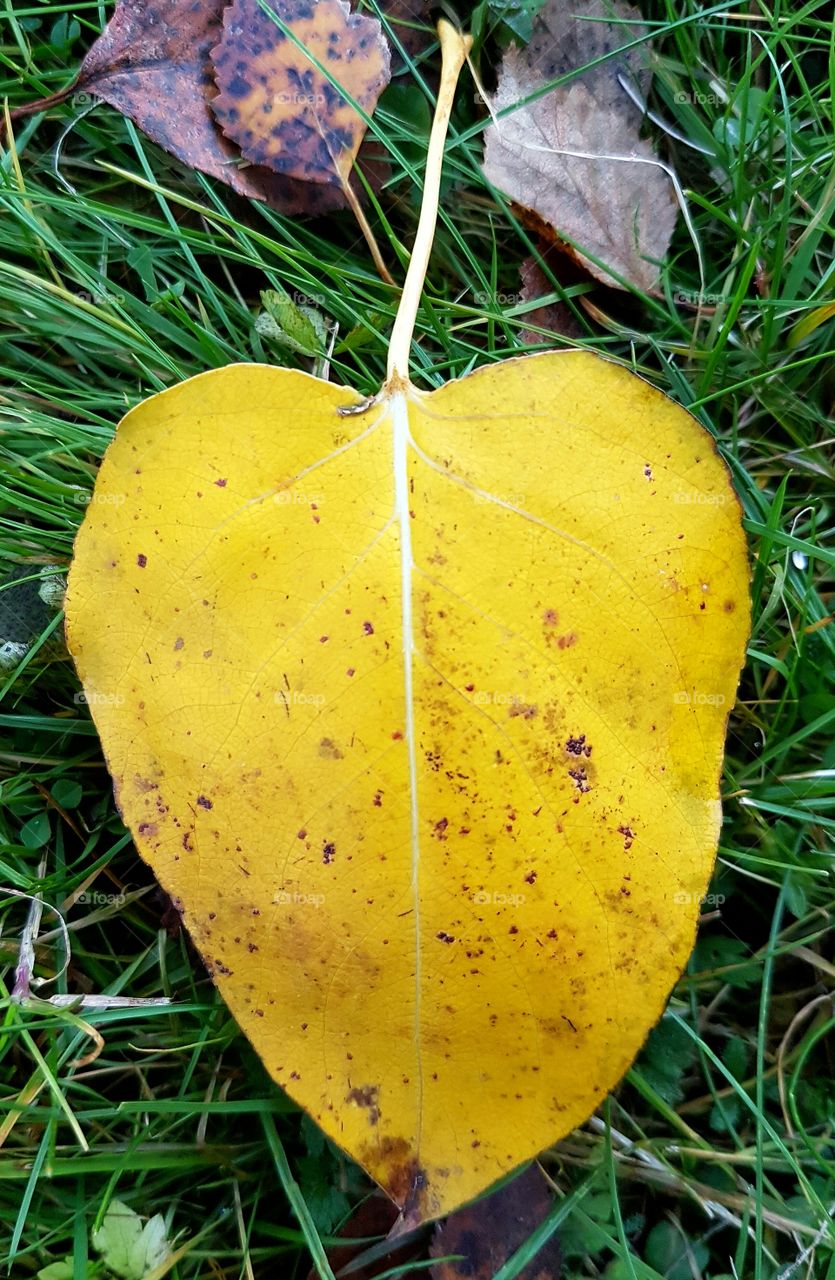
{"x": 123, "y": 273}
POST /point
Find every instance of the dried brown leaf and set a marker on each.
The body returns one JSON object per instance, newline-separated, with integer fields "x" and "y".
{"x": 556, "y": 316}
{"x": 376, "y": 1216}
{"x": 277, "y": 105}
{"x": 485, "y": 1234}
{"x": 152, "y": 63}
{"x": 618, "y": 206}
{"x": 408, "y": 21}
{"x": 568, "y": 37}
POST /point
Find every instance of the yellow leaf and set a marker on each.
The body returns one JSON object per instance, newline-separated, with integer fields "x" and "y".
{"x": 417, "y": 712}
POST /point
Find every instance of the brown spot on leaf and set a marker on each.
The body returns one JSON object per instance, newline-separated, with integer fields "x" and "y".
{"x": 580, "y": 779}
{"x": 368, "y": 1096}
{"x": 395, "y": 1168}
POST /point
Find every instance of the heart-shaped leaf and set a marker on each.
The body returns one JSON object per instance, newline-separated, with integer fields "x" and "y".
{"x": 416, "y": 707}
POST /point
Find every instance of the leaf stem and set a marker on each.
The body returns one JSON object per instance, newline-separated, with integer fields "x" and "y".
{"x": 454, "y": 49}
{"x": 365, "y": 228}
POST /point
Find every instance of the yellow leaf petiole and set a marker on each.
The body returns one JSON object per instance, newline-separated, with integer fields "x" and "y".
{"x": 454, "y": 50}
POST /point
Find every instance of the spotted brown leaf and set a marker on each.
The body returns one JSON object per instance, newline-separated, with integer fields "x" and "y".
{"x": 152, "y": 63}
{"x": 289, "y": 80}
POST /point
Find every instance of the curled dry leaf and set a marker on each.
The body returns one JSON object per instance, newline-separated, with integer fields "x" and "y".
{"x": 287, "y": 100}
{"x": 620, "y": 211}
